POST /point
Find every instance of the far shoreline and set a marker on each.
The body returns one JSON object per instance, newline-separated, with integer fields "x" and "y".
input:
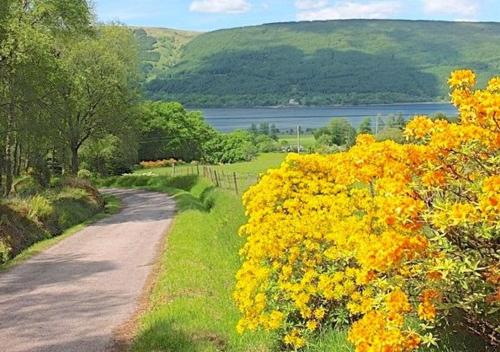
{"x": 197, "y": 108}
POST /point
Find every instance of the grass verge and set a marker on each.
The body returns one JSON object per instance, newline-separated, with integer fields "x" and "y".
{"x": 112, "y": 206}
{"x": 191, "y": 307}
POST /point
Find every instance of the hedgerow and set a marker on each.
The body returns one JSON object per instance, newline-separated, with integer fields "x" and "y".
{"x": 391, "y": 240}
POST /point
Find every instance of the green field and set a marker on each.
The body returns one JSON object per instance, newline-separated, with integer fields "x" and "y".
{"x": 246, "y": 173}
{"x": 307, "y": 140}
{"x": 255, "y": 167}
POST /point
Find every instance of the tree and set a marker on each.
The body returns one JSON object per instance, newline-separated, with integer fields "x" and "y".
{"x": 366, "y": 126}
{"x": 230, "y": 148}
{"x": 264, "y": 128}
{"x": 396, "y": 121}
{"x": 339, "y": 131}
{"x": 113, "y": 154}
{"x": 253, "y": 129}
{"x": 274, "y": 132}
{"x": 170, "y": 131}
{"x": 30, "y": 34}
{"x": 98, "y": 87}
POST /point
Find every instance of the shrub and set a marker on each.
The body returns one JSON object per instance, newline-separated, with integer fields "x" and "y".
{"x": 110, "y": 155}
{"x": 230, "y": 148}
{"x": 266, "y": 144}
{"x": 392, "y": 240}
{"x": 159, "y": 163}
{"x": 84, "y": 174}
{"x": 391, "y": 134}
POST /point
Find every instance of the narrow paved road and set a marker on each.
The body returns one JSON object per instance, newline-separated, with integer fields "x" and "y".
{"x": 71, "y": 297}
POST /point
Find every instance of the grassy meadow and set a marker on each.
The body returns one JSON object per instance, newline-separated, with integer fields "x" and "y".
{"x": 254, "y": 167}
{"x": 247, "y": 172}
{"x": 306, "y": 141}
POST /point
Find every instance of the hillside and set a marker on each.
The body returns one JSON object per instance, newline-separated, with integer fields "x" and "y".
{"x": 323, "y": 63}
{"x": 160, "y": 48}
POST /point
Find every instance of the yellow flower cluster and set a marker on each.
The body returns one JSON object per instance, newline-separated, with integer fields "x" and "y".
{"x": 376, "y": 231}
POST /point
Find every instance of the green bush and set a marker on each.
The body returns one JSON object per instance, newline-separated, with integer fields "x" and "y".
{"x": 84, "y": 174}
{"x": 266, "y": 144}
{"x": 109, "y": 155}
{"x": 391, "y": 133}
{"x": 230, "y": 148}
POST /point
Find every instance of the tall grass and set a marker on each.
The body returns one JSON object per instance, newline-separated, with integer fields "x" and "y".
{"x": 112, "y": 206}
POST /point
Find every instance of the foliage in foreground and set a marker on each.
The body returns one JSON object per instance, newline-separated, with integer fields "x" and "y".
{"x": 34, "y": 214}
{"x": 393, "y": 241}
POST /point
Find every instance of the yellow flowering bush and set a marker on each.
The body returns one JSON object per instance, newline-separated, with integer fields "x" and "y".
{"x": 159, "y": 163}
{"x": 388, "y": 239}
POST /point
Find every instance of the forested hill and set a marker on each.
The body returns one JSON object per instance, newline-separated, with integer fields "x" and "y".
{"x": 326, "y": 62}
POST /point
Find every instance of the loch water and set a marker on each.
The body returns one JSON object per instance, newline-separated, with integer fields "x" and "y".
{"x": 287, "y": 118}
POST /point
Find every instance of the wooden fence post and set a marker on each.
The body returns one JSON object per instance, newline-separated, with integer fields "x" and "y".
{"x": 235, "y": 183}
{"x": 216, "y": 179}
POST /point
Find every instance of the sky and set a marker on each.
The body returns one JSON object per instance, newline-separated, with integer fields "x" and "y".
{"x": 206, "y": 15}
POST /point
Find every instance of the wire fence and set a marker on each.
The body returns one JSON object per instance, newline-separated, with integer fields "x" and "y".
{"x": 229, "y": 180}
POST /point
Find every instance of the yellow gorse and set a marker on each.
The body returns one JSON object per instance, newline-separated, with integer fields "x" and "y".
{"x": 379, "y": 234}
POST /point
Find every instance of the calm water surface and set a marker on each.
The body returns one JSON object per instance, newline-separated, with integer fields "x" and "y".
{"x": 286, "y": 118}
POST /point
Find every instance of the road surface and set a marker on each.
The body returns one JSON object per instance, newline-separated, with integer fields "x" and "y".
{"x": 73, "y": 296}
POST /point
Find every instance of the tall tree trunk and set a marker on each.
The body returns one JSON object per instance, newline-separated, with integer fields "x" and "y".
{"x": 9, "y": 140}
{"x": 17, "y": 158}
{"x": 1, "y": 170}
{"x": 75, "y": 160}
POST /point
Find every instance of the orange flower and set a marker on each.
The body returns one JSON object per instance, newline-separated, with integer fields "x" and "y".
{"x": 397, "y": 302}
{"x": 427, "y": 311}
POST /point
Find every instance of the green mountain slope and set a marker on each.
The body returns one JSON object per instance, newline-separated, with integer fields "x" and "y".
{"x": 160, "y": 48}
{"x": 326, "y": 62}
